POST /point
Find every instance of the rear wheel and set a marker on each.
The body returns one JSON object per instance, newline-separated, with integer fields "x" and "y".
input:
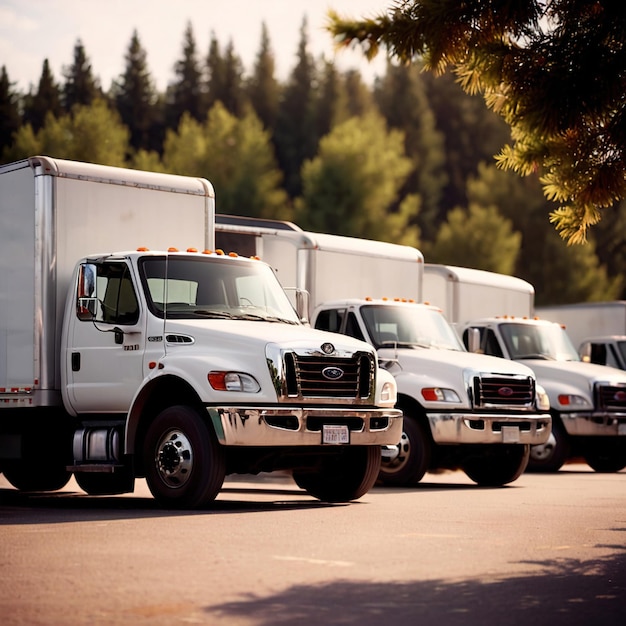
{"x": 408, "y": 461}
{"x": 106, "y": 484}
{"x": 550, "y": 456}
{"x": 45, "y": 453}
{"x": 37, "y": 475}
{"x": 344, "y": 476}
{"x": 183, "y": 461}
{"x": 497, "y": 465}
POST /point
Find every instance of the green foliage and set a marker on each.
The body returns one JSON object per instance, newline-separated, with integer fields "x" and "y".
{"x": 479, "y": 237}
{"x": 9, "y": 111}
{"x": 92, "y": 133}
{"x": 235, "y": 154}
{"x": 349, "y": 187}
{"x": 559, "y": 273}
{"x": 554, "y": 71}
{"x": 81, "y": 87}
{"x": 136, "y": 99}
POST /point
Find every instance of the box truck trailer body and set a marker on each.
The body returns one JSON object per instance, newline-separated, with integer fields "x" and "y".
{"x": 597, "y": 329}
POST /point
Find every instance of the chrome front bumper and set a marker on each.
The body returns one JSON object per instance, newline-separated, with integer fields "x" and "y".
{"x": 455, "y": 428}
{"x": 595, "y": 424}
{"x": 298, "y": 426}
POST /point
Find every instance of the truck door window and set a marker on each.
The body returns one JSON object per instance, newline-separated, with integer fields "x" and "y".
{"x": 330, "y": 320}
{"x": 489, "y": 342}
{"x": 112, "y": 299}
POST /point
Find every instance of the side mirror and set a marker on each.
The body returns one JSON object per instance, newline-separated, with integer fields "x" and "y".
{"x": 473, "y": 340}
{"x": 87, "y": 302}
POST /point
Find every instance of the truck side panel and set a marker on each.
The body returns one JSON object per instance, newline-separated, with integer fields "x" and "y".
{"x": 17, "y": 280}
{"x": 588, "y": 319}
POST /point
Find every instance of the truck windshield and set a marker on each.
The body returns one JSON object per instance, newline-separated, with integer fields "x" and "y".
{"x": 183, "y": 287}
{"x": 409, "y": 326}
{"x": 533, "y": 341}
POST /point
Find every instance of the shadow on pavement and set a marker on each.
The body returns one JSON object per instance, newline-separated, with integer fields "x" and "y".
{"x": 564, "y": 592}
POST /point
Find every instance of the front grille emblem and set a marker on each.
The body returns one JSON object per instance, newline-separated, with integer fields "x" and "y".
{"x": 505, "y": 391}
{"x": 328, "y": 348}
{"x": 332, "y": 373}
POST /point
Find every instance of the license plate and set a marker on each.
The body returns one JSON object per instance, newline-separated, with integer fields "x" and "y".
{"x": 510, "y": 434}
{"x": 621, "y": 429}
{"x": 335, "y": 435}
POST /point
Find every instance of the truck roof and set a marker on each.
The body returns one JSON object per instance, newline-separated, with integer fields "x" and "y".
{"x": 63, "y": 168}
{"x": 469, "y": 275}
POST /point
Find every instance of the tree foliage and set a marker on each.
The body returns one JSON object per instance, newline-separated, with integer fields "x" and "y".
{"x": 349, "y": 187}
{"x": 236, "y": 155}
{"x": 555, "y": 71}
{"x": 477, "y": 237}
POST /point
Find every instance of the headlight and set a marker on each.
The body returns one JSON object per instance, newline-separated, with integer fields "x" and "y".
{"x": 233, "y": 381}
{"x": 573, "y": 401}
{"x": 542, "y": 401}
{"x": 388, "y": 393}
{"x": 440, "y": 394}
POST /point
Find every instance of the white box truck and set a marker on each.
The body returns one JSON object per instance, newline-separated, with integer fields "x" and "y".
{"x": 587, "y": 401}
{"x": 597, "y": 329}
{"x": 123, "y": 357}
{"x": 461, "y": 410}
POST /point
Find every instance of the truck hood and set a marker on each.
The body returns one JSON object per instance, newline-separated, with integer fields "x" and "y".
{"x": 576, "y": 373}
{"x": 428, "y": 361}
{"x": 252, "y": 335}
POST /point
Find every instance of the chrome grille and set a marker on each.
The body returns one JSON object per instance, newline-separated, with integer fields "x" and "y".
{"x": 503, "y": 391}
{"x": 312, "y": 376}
{"x": 611, "y": 397}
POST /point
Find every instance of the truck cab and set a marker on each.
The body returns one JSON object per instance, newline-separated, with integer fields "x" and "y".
{"x": 460, "y": 409}
{"x": 587, "y": 401}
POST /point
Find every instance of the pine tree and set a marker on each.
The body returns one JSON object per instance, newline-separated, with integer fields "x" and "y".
{"x": 186, "y": 94}
{"x": 554, "y": 71}
{"x": 359, "y": 97}
{"x": 332, "y": 100}
{"x": 401, "y": 98}
{"x": 80, "y": 85}
{"x": 263, "y": 88}
{"x": 9, "y": 111}
{"x": 46, "y": 100}
{"x": 136, "y": 99}
{"x": 295, "y": 134}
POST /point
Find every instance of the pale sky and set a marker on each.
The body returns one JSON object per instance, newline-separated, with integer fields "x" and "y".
{"x": 33, "y": 30}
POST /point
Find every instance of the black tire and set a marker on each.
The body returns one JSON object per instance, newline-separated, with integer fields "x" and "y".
{"x": 606, "y": 457}
{"x": 37, "y": 475}
{"x": 407, "y": 463}
{"x": 497, "y": 465}
{"x": 550, "y": 456}
{"x": 184, "y": 463}
{"x": 344, "y": 476}
{"x": 106, "y": 484}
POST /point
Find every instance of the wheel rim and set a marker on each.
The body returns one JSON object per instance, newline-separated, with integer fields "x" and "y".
{"x": 394, "y": 458}
{"x": 544, "y": 451}
{"x": 174, "y": 459}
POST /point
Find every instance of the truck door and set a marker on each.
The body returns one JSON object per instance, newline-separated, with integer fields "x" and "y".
{"x": 104, "y": 358}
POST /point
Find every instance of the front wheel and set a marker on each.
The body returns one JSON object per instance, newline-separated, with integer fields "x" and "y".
{"x": 606, "y": 456}
{"x": 346, "y": 475}
{"x": 497, "y": 465}
{"x": 550, "y": 456}
{"x": 408, "y": 461}
{"x": 184, "y": 463}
